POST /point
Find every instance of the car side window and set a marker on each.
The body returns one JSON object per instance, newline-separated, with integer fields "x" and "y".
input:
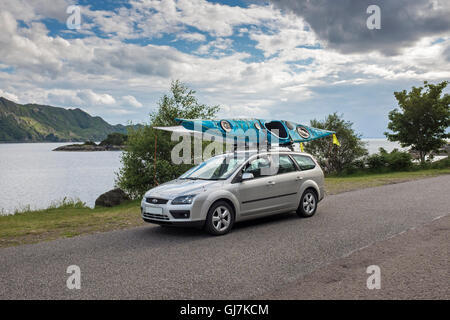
{"x": 304, "y": 162}
{"x": 259, "y": 167}
{"x": 285, "y": 164}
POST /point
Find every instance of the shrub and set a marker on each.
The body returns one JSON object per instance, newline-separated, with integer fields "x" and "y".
{"x": 389, "y": 161}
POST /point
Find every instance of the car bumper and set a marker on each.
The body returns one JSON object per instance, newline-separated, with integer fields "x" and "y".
{"x": 193, "y": 224}
{"x": 172, "y": 215}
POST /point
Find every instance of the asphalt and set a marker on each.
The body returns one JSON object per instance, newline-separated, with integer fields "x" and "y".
{"x": 414, "y": 264}
{"x": 262, "y": 258}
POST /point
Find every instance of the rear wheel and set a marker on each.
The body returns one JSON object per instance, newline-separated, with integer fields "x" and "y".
{"x": 308, "y": 204}
{"x": 220, "y": 218}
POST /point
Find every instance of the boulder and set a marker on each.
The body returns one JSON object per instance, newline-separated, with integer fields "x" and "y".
{"x": 111, "y": 198}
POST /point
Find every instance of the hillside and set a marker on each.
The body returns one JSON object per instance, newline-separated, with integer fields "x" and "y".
{"x": 35, "y": 123}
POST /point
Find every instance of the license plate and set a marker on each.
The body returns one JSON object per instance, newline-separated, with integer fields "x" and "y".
{"x": 154, "y": 210}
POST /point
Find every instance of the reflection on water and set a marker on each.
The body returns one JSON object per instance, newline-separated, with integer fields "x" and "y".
{"x": 31, "y": 174}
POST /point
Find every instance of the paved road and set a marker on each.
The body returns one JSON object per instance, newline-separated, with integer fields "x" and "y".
{"x": 413, "y": 265}
{"x": 258, "y": 257}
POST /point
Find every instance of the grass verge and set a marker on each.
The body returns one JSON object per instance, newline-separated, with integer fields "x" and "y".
{"x": 65, "y": 221}
{"x": 71, "y": 218}
{"x": 339, "y": 184}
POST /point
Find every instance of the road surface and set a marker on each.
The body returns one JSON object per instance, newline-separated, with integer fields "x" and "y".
{"x": 262, "y": 258}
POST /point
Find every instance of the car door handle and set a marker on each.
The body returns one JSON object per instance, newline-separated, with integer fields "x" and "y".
{"x": 299, "y": 178}
{"x": 271, "y": 183}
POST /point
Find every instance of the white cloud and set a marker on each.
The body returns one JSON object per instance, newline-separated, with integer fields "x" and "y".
{"x": 109, "y": 76}
{"x": 9, "y": 96}
{"x": 90, "y": 97}
{"x": 130, "y": 100}
{"x": 192, "y": 37}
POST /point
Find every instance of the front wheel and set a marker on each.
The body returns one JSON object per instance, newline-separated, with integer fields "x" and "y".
{"x": 220, "y": 218}
{"x": 308, "y": 204}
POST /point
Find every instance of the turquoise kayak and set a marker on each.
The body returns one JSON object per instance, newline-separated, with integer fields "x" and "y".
{"x": 255, "y": 130}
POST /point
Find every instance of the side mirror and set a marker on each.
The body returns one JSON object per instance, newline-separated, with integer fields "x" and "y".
{"x": 247, "y": 176}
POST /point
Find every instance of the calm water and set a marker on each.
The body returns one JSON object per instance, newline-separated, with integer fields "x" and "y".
{"x": 373, "y": 145}
{"x": 31, "y": 174}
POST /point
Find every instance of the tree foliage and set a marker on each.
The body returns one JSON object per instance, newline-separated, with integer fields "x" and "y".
{"x": 389, "y": 161}
{"x": 333, "y": 158}
{"x": 422, "y": 119}
{"x": 115, "y": 139}
{"x": 137, "y": 174}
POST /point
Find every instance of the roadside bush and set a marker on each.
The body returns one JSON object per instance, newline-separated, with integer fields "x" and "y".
{"x": 356, "y": 166}
{"x": 398, "y": 160}
{"x": 389, "y": 161}
{"x": 376, "y": 162}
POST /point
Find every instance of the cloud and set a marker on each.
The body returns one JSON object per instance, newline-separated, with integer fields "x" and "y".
{"x": 9, "y": 96}
{"x": 257, "y": 61}
{"x": 92, "y": 98}
{"x": 130, "y": 100}
{"x": 342, "y": 24}
{"x": 29, "y": 11}
{"x": 192, "y": 37}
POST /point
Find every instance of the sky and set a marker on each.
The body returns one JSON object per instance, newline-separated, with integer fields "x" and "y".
{"x": 283, "y": 59}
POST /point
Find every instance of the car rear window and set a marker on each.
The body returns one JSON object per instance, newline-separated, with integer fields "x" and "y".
{"x": 304, "y": 162}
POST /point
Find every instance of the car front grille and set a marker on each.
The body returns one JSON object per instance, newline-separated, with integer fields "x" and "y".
{"x": 155, "y": 216}
{"x": 156, "y": 200}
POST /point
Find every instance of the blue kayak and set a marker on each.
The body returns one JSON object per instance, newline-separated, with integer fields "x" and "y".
{"x": 253, "y": 130}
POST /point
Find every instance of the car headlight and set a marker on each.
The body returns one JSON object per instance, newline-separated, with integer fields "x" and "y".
{"x": 184, "y": 199}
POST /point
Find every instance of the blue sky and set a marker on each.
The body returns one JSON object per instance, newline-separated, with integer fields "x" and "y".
{"x": 283, "y": 59}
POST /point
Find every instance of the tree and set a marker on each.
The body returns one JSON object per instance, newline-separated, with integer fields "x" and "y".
{"x": 115, "y": 139}
{"x": 137, "y": 174}
{"x": 333, "y": 158}
{"x": 422, "y": 120}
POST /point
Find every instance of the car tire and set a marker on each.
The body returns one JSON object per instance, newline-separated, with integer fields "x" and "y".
{"x": 308, "y": 204}
{"x": 220, "y": 218}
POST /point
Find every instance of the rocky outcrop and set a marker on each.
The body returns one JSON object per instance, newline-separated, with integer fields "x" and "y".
{"x": 89, "y": 147}
{"x": 111, "y": 198}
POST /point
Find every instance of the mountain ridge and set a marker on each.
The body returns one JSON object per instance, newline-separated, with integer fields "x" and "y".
{"x": 43, "y": 123}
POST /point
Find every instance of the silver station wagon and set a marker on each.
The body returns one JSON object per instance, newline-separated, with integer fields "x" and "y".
{"x": 235, "y": 187}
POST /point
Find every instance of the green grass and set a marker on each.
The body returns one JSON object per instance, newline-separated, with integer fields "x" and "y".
{"x": 71, "y": 218}
{"x": 338, "y": 184}
{"x": 68, "y": 219}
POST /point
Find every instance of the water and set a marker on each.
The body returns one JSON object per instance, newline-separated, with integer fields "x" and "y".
{"x": 373, "y": 145}
{"x": 31, "y": 174}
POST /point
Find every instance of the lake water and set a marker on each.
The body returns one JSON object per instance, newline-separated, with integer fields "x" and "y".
{"x": 32, "y": 175}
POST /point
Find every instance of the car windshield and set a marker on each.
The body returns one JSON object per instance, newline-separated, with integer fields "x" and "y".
{"x": 217, "y": 168}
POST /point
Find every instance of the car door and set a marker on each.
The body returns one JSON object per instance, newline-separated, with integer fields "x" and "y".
{"x": 257, "y": 194}
{"x": 287, "y": 182}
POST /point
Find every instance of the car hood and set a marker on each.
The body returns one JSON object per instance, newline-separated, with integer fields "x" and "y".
{"x": 179, "y": 187}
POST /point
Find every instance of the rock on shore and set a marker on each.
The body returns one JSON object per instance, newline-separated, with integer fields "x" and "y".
{"x": 111, "y": 198}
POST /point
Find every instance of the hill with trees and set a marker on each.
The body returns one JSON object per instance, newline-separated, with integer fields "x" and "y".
{"x": 41, "y": 123}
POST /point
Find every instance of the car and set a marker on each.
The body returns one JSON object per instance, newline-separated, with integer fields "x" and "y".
{"x": 235, "y": 187}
